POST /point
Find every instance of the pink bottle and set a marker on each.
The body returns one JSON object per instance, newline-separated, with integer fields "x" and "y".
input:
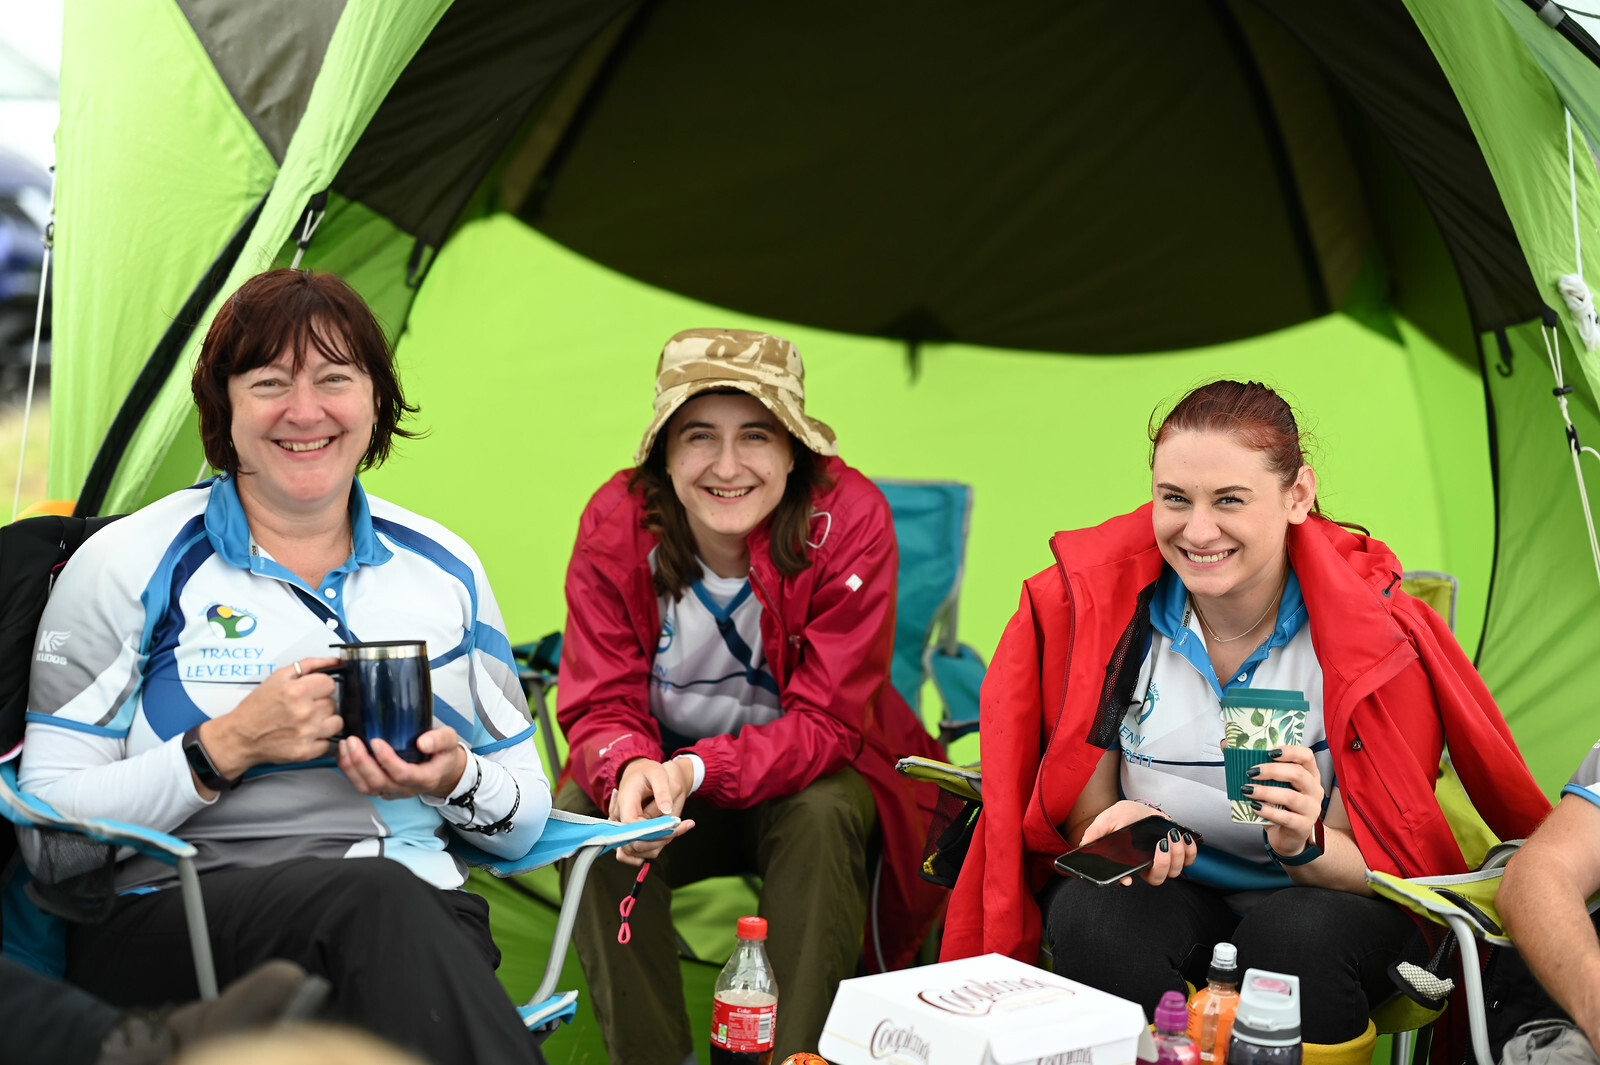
{"x": 1173, "y": 1045}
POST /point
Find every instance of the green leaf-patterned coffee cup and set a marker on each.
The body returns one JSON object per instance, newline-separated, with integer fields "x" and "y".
{"x": 1255, "y": 722}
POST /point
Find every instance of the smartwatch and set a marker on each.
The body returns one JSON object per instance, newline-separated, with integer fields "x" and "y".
{"x": 1313, "y": 850}
{"x": 205, "y": 770}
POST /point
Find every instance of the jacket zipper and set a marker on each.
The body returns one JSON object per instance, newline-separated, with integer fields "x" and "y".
{"x": 783, "y": 638}
{"x": 1378, "y": 676}
{"x": 1072, "y": 639}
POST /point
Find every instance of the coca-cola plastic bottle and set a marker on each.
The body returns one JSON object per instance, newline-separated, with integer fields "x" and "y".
{"x": 744, "y": 1005}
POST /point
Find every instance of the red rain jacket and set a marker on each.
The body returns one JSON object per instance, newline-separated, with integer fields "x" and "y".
{"x": 1396, "y": 688}
{"x": 828, "y": 645}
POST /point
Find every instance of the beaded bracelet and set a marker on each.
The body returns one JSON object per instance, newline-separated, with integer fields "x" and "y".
{"x": 504, "y": 824}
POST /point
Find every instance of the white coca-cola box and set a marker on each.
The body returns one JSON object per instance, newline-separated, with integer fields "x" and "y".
{"x": 992, "y": 1010}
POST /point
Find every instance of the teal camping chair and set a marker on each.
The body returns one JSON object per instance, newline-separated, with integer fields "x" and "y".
{"x": 931, "y": 523}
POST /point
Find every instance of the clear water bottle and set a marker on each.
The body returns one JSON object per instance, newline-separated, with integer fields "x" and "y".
{"x": 1173, "y": 1045}
{"x": 744, "y": 1004}
{"x": 1212, "y": 1009}
{"x": 1266, "y": 1030}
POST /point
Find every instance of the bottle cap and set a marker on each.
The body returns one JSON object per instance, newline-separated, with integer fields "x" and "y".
{"x": 752, "y": 928}
{"x": 1269, "y": 1009}
{"x": 1224, "y": 962}
{"x": 1172, "y": 1015}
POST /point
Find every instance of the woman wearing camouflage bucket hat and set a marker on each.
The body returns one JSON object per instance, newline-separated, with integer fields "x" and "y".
{"x": 730, "y": 622}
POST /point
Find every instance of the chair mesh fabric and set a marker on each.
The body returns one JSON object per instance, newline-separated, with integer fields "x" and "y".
{"x": 949, "y": 836}
{"x": 73, "y": 876}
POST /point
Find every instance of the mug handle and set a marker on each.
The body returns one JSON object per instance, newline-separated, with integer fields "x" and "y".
{"x": 338, "y": 671}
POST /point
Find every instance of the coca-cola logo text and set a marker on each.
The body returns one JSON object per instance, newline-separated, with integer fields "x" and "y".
{"x": 899, "y": 1043}
{"x": 975, "y": 997}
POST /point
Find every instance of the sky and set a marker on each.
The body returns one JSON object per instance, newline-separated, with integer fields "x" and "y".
{"x": 30, "y": 58}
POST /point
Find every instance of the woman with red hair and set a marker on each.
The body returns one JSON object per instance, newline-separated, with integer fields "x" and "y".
{"x": 1103, "y": 706}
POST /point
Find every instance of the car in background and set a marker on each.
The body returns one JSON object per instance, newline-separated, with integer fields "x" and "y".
{"x": 24, "y": 216}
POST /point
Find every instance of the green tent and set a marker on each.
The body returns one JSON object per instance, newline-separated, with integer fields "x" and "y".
{"x": 1001, "y": 234}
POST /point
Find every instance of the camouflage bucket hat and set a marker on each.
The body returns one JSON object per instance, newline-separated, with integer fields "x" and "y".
{"x": 710, "y": 360}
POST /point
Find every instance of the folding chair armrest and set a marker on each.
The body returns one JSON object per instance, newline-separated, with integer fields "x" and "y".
{"x": 27, "y": 810}
{"x": 964, "y": 782}
{"x": 565, "y": 834}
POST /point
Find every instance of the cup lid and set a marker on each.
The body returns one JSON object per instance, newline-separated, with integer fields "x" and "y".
{"x": 1266, "y": 699}
{"x": 381, "y": 649}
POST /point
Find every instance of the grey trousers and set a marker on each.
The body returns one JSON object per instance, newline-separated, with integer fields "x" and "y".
{"x": 810, "y": 850}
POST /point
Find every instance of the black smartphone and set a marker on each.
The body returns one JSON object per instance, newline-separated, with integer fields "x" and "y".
{"x": 1124, "y": 852}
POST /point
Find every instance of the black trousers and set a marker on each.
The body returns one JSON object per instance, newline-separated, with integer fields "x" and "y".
{"x": 46, "y": 1022}
{"x": 1141, "y": 941}
{"x": 407, "y": 961}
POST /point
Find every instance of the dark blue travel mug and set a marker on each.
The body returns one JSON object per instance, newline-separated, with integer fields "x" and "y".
{"x": 384, "y": 692}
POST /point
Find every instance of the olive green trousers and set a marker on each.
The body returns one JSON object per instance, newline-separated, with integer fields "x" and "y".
{"x": 810, "y": 851}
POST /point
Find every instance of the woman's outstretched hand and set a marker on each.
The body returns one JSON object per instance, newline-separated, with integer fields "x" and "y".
{"x": 1294, "y": 810}
{"x": 1172, "y": 854}
{"x": 649, "y": 789}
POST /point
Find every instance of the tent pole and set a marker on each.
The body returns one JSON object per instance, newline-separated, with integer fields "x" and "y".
{"x": 38, "y": 329}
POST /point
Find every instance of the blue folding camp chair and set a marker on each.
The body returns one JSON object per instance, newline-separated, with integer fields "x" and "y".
{"x": 931, "y": 523}
{"x": 80, "y": 879}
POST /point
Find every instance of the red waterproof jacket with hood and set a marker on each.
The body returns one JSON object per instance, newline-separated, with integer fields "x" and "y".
{"x": 827, "y": 634}
{"x": 1396, "y": 688}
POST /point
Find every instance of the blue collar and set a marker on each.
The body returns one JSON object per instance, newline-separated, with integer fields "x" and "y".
{"x": 1170, "y": 601}
{"x": 229, "y": 531}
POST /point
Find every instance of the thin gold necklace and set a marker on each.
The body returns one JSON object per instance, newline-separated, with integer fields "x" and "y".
{"x": 1246, "y": 632}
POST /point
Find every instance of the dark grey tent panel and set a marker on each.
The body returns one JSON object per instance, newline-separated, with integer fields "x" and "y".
{"x": 458, "y": 105}
{"x": 268, "y": 56}
{"x": 1023, "y": 173}
{"x": 1026, "y": 174}
{"x": 1377, "y": 56}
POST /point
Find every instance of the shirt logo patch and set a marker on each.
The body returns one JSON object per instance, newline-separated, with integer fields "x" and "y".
{"x": 853, "y": 583}
{"x": 229, "y": 622}
{"x": 50, "y": 641}
{"x": 1152, "y": 696}
{"x": 664, "y": 640}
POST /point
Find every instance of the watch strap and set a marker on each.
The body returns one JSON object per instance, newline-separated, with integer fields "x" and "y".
{"x": 1313, "y": 850}
{"x": 199, "y": 759}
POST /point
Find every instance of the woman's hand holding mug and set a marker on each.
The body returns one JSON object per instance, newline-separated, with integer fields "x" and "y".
{"x": 289, "y": 717}
{"x": 1293, "y": 810}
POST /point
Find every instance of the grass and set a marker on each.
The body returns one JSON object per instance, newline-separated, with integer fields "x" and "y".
{"x": 37, "y": 456}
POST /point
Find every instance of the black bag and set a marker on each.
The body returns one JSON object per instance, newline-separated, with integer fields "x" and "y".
{"x": 32, "y": 552}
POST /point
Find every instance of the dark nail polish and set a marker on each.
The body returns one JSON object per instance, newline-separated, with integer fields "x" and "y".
{"x": 1174, "y": 835}
{"x": 1253, "y": 771}
{"x": 1188, "y": 839}
{"x": 1162, "y": 846}
{"x": 1247, "y": 789}
{"x": 1275, "y": 754}
{"x": 1255, "y": 804}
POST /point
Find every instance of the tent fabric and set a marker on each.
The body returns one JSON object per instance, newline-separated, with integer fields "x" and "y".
{"x": 797, "y": 204}
{"x": 268, "y": 56}
{"x": 534, "y": 196}
{"x": 459, "y": 103}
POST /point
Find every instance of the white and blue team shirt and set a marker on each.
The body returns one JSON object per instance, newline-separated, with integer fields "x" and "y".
{"x": 709, "y": 677}
{"x": 1585, "y": 783}
{"x": 171, "y": 615}
{"x": 1171, "y": 736}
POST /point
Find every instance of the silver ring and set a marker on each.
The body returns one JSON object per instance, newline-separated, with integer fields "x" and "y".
{"x": 297, "y": 672}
